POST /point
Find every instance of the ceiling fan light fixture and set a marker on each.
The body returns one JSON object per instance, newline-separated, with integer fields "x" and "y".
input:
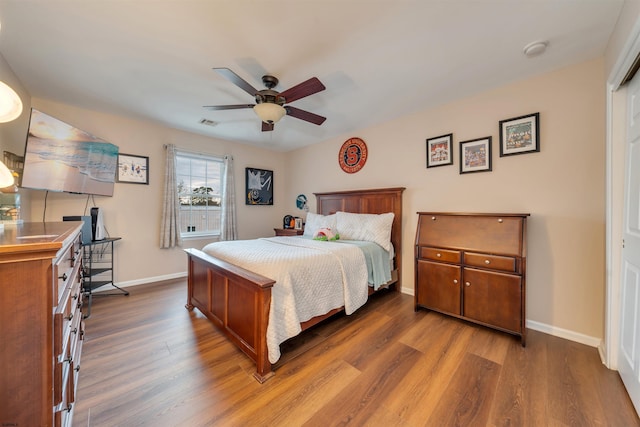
{"x": 269, "y": 112}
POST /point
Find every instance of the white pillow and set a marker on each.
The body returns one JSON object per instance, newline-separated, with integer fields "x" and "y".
{"x": 316, "y": 221}
{"x": 367, "y": 227}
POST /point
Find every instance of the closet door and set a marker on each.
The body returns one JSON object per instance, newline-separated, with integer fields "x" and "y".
{"x": 629, "y": 343}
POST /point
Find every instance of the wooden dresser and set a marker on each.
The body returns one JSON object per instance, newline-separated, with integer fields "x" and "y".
{"x": 473, "y": 266}
{"x": 40, "y": 322}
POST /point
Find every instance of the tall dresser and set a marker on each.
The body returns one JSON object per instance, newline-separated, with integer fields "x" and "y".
{"x": 41, "y": 324}
{"x": 473, "y": 266}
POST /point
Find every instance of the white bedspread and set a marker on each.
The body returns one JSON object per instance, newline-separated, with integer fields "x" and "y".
{"x": 312, "y": 278}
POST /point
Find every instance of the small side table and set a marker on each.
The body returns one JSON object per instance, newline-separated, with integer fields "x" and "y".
{"x": 288, "y": 232}
{"x": 97, "y": 269}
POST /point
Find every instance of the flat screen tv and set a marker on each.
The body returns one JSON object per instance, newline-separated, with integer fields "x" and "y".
{"x": 60, "y": 157}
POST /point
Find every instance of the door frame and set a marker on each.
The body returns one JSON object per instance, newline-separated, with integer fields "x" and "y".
{"x": 614, "y": 207}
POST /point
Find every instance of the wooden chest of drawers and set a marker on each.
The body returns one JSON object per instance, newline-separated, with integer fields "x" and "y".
{"x": 40, "y": 323}
{"x": 473, "y": 266}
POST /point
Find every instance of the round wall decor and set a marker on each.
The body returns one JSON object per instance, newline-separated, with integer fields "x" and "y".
{"x": 353, "y": 155}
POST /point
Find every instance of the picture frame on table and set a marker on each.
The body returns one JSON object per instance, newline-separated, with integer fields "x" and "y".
{"x": 475, "y": 155}
{"x": 259, "y": 187}
{"x": 520, "y": 135}
{"x": 440, "y": 151}
{"x": 132, "y": 169}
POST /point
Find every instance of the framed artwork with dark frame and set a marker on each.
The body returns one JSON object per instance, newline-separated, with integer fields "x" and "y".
{"x": 132, "y": 169}
{"x": 475, "y": 155}
{"x": 259, "y": 189}
{"x": 440, "y": 151}
{"x": 520, "y": 135}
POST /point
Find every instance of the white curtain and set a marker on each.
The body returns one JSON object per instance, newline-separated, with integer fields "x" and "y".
{"x": 228, "y": 226}
{"x": 170, "y": 226}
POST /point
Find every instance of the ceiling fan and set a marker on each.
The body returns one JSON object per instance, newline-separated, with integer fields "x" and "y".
{"x": 270, "y": 104}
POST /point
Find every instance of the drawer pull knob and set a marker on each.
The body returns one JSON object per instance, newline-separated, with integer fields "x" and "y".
{"x": 63, "y": 277}
{"x": 433, "y": 218}
{"x": 467, "y": 284}
{"x": 486, "y": 261}
{"x": 455, "y": 281}
{"x": 70, "y": 316}
{"x": 499, "y": 219}
{"x": 438, "y": 255}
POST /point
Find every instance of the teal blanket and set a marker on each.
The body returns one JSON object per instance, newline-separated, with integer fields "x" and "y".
{"x": 378, "y": 262}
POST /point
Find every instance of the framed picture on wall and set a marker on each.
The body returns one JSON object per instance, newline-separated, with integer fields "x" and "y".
{"x": 475, "y": 155}
{"x": 133, "y": 169}
{"x": 259, "y": 188}
{"x": 520, "y": 135}
{"x": 440, "y": 151}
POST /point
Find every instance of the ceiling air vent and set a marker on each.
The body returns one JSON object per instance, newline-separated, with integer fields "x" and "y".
{"x": 207, "y": 122}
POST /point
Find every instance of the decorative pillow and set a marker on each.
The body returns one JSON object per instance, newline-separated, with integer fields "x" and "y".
{"x": 325, "y": 234}
{"x": 367, "y": 227}
{"x": 316, "y": 221}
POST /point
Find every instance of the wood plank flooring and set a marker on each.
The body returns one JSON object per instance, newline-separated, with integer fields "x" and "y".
{"x": 148, "y": 361}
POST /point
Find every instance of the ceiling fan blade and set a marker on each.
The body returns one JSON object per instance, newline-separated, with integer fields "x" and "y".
{"x": 267, "y": 127}
{"x": 304, "y": 115}
{"x": 237, "y": 80}
{"x": 309, "y": 87}
{"x": 229, "y": 107}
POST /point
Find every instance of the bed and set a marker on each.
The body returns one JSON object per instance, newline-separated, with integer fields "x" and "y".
{"x": 238, "y": 300}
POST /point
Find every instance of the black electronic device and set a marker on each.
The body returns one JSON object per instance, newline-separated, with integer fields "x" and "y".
{"x": 87, "y": 234}
{"x": 288, "y": 221}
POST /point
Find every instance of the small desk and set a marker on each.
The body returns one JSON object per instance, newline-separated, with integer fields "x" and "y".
{"x": 97, "y": 268}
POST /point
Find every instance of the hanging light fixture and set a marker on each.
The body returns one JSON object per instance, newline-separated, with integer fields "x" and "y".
{"x": 269, "y": 112}
{"x": 10, "y": 104}
{"x": 6, "y": 177}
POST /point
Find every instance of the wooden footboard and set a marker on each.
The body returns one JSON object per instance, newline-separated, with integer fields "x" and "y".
{"x": 234, "y": 299}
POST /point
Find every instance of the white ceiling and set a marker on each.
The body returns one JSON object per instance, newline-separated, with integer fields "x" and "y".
{"x": 379, "y": 59}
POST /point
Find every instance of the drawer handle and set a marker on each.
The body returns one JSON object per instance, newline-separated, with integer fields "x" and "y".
{"x": 70, "y": 316}
{"x": 486, "y": 261}
{"x": 74, "y": 331}
{"x": 467, "y": 284}
{"x": 438, "y": 255}
{"x": 500, "y": 220}
{"x": 63, "y": 277}
{"x": 77, "y": 368}
{"x": 75, "y": 296}
{"x": 455, "y": 281}
{"x": 433, "y": 218}
{"x": 68, "y": 359}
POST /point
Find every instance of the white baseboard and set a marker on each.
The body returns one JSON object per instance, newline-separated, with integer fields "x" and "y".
{"x": 552, "y": 330}
{"x": 143, "y": 281}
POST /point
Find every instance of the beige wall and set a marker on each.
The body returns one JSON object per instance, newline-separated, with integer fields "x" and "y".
{"x": 134, "y": 211}
{"x": 562, "y": 186}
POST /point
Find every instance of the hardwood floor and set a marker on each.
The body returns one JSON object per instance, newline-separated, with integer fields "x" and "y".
{"x": 148, "y": 361}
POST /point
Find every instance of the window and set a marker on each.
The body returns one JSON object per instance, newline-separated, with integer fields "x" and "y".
{"x": 199, "y": 189}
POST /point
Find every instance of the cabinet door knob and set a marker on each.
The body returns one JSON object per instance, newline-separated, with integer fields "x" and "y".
{"x": 467, "y": 284}
{"x": 433, "y": 218}
{"x": 63, "y": 277}
{"x": 455, "y": 281}
{"x": 486, "y": 261}
{"x": 438, "y": 255}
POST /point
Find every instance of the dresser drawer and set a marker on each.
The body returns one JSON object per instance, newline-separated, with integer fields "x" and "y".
{"x": 437, "y": 254}
{"x": 494, "y": 262}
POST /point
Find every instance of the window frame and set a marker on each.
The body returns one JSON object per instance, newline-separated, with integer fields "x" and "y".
{"x": 184, "y": 154}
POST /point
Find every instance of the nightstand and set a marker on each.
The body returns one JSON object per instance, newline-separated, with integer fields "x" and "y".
{"x": 288, "y": 232}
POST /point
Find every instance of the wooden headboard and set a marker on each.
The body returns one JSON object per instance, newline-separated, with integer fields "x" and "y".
{"x": 375, "y": 201}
